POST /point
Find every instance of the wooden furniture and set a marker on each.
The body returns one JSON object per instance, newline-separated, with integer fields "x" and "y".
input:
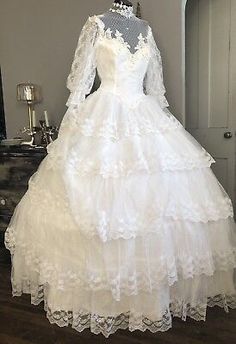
{"x": 17, "y": 164}
{"x": 2, "y": 115}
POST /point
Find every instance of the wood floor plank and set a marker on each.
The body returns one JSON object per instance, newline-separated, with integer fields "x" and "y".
{"x": 5, "y": 339}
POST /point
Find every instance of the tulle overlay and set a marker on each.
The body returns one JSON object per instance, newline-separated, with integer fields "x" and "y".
{"x": 124, "y": 225}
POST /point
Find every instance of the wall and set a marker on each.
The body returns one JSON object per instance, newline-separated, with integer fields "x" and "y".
{"x": 37, "y": 42}
{"x": 168, "y": 21}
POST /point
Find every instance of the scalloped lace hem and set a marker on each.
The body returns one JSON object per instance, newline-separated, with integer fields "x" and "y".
{"x": 108, "y": 325}
{"x": 131, "y": 321}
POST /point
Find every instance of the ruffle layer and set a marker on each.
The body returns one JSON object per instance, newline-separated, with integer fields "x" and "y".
{"x": 142, "y": 281}
{"x": 129, "y": 172}
{"x": 122, "y": 140}
{"x": 132, "y": 321}
{"x": 126, "y": 207}
{"x": 109, "y": 325}
{"x": 136, "y": 284}
{"x": 149, "y": 154}
{"x": 117, "y": 118}
{"x": 161, "y": 244}
{"x": 64, "y": 254}
{"x": 153, "y": 311}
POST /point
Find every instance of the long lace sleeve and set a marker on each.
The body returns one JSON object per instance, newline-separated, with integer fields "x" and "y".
{"x": 153, "y": 82}
{"x": 83, "y": 69}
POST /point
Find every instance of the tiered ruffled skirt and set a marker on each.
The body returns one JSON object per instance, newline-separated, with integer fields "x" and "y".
{"x": 124, "y": 225}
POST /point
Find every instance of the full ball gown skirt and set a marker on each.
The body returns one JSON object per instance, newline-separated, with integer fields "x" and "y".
{"x": 124, "y": 225}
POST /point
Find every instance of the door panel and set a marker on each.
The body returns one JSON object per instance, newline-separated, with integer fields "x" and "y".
{"x": 211, "y": 81}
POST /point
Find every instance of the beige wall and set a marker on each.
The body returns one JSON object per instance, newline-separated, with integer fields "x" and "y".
{"x": 37, "y": 42}
{"x": 168, "y": 22}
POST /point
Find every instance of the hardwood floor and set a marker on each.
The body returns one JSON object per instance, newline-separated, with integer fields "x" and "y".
{"x": 23, "y": 323}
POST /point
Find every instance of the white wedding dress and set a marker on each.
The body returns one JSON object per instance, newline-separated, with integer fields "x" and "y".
{"x": 124, "y": 225}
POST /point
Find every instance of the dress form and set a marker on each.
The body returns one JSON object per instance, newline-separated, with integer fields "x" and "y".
{"x": 124, "y": 2}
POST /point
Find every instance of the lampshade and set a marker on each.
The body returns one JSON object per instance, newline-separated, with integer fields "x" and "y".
{"x": 28, "y": 92}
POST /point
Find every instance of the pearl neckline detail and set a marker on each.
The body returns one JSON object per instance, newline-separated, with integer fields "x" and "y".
{"x": 124, "y": 10}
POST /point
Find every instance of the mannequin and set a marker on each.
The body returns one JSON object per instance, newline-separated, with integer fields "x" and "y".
{"x": 121, "y": 17}
{"x": 124, "y": 2}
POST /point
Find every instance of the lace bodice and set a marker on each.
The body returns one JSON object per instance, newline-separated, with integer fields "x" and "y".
{"x": 130, "y": 28}
{"x": 107, "y": 51}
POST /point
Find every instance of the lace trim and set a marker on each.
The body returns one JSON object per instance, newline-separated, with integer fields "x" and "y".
{"x": 107, "y": 325}
{"x": 101, "y": 223}
{"x": 134, "y": 229}
{"x": 132, "y": 226}
{"x": 131, "y": 321}
{"x": 121, "y": 168}
{"x": 110, "y": 129}
{"x": 169, "y": 269}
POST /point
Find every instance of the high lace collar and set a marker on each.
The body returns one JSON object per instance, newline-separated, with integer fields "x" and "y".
{"x": 124, "y": 10}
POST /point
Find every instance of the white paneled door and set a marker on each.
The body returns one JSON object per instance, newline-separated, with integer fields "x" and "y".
{"x": 211, "y": 83}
